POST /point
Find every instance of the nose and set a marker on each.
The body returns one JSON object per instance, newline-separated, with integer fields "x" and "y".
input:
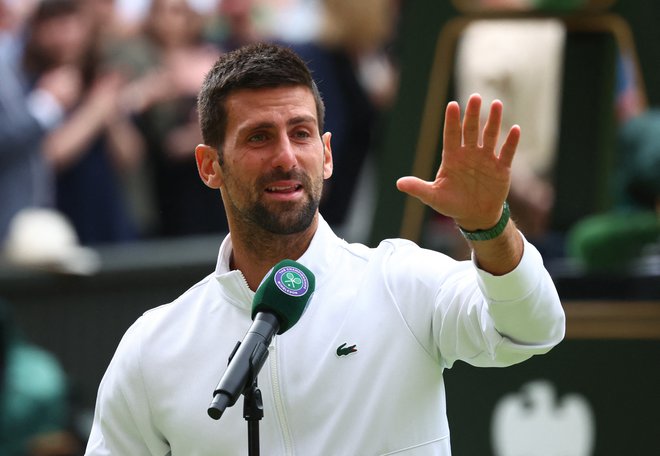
{"x": 284, "y": 154}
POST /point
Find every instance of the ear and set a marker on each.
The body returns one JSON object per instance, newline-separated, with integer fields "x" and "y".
{"x": 208, "y": 165}
{"x": 327, "y": 155}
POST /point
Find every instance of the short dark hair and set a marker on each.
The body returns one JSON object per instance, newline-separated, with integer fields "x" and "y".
{"x": 48, "y": 9}
{"x": 255, "y": 66}
{"x": 36, "y": 60}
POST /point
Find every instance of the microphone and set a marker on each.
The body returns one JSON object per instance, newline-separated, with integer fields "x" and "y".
{"x": 278, "y": 304}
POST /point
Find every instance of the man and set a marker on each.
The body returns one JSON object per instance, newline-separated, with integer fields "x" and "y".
{"x": 407, "y": 313}
{"x": 26, "y": 116}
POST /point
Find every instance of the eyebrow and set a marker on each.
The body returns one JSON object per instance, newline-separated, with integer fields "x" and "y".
{"x": 297, "y": 120}
{"x": 301, "y": 119}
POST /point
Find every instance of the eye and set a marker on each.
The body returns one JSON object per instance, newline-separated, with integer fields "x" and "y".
{"x": 257, "y": 137}
{"x": 301, "y": 134}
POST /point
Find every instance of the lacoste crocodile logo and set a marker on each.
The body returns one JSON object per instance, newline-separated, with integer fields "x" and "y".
{"x": 343, "y": 350}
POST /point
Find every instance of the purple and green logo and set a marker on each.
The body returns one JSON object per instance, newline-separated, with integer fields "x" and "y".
{"x": 291, "y": 281}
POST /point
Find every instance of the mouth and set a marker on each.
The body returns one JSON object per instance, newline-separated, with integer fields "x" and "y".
{"x": 284, "y": 188}
{"x": 285, "y": 191}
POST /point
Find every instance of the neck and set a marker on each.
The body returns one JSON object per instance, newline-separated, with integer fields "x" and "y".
{"x": 255, "y": 251}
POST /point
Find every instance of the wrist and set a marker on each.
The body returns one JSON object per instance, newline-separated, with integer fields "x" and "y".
{"x": 490, "y": 233}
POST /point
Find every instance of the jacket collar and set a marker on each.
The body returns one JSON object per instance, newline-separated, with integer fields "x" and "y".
{"x": 318, "y": 258}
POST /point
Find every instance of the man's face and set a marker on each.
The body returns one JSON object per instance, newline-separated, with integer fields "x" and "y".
{"x": 274, "y": 160}
{"x": 63, "y": 38}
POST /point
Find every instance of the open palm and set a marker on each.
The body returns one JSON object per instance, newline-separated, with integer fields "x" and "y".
{"x": 473, "y": 180}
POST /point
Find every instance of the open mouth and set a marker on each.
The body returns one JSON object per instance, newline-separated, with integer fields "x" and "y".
{"x": 284, "y": 188}
{"x": 288, "y": 191}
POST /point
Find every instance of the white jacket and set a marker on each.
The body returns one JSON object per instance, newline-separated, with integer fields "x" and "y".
{"x": 409, "y": 312}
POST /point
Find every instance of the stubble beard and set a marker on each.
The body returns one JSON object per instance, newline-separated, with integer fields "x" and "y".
{"x": 283, "y": 218}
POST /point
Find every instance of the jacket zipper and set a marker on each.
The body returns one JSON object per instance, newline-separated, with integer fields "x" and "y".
{"x": 277, "y": 397}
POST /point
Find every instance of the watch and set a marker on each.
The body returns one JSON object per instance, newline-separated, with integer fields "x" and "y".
{"x": 491, "y": 233}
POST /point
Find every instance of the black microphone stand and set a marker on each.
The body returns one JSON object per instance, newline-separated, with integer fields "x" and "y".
{"x": 253, "y": 412}
{"x": 253, "y": 406}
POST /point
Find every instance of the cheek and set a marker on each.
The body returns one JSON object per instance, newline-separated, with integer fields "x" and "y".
{"x": 239, "y": 177}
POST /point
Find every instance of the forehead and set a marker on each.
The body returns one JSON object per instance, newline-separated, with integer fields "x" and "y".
{"x": 269, "y": 105}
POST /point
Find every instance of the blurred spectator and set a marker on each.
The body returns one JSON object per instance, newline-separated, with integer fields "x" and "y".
{"x": 133, "y": 12}
{"x": 239, "y": 22}
{"x": 34, "y": 400}
{"x": 171, "y": 59}
{"x": 107, "y": 23}
{"x": 28, "y": 110}
{"x": 112, "y": 35}
{"x": 293, "y": 21}
{"x": 96, "y": 141}
{"x": 613, "y": 241}
{"x": 236, "y": 24}
{"x": 357, "y": 80}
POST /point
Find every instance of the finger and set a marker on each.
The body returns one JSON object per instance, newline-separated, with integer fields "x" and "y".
{"x": 452, "y": 134}
{"x": 471, "y": 121}
{"x": 416, "y": 187}
{"x": 493, "y": 125}
{"x": 509, "y": 147}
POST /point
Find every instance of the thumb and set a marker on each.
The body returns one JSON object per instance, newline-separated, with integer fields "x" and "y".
{"x": 414, "y": 187}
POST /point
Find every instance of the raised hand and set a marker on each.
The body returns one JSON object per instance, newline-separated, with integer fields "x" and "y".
{"x": 474, "y": 178}
{"x": 64, "y": 83}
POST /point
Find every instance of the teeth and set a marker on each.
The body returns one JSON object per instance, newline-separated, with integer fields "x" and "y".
{"x": 288, "y": 188}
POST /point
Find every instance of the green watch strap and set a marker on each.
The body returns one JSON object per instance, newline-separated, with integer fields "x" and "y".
{"x": 491, "y": 233}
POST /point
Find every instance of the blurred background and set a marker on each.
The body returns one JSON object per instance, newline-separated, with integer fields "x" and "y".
{"x": 103, "y": 216}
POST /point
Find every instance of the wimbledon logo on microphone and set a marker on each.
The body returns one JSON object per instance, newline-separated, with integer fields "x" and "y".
{"x": 291, "y": 281}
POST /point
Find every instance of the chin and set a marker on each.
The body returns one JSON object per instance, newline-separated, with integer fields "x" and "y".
{"x": 288, "y": 220}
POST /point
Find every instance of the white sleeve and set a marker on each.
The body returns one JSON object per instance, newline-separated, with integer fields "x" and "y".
{"x": 458, "y": 312}
{"x": 503, "y": 320}
{"x": 122, "y": 419}
{"x": 45, "y": 108}
{"x": 524, "y": 308}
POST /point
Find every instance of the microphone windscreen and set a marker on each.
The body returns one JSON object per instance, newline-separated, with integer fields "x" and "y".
{"x": 285, "y": 292}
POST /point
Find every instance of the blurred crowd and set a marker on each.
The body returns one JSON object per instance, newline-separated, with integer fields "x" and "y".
{"x": 98, "y": 118}
{"x": 98, "y": 104}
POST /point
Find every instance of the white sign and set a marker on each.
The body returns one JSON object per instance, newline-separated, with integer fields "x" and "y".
{"x": 534, "y": 422}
